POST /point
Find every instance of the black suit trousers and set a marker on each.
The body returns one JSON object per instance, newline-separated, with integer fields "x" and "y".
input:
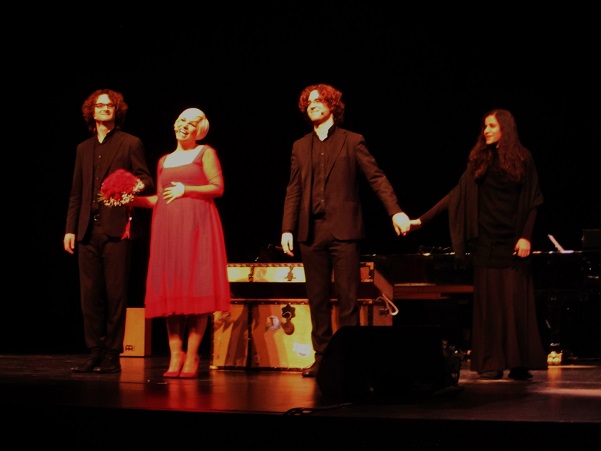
{"x": 104, "y": 269}
{"x": 323, "y": 256}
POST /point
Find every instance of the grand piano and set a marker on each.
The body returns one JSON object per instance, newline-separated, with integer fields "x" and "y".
{"x": 426, "y": 288}
{"x": 431, "y": 287}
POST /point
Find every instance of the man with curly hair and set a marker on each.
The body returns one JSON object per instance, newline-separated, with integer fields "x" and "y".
{"x": 98, "y": 233}
{"x": 322, "y": 206}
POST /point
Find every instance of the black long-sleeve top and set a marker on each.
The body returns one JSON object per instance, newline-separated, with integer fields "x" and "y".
{"x": 488, "y": 216}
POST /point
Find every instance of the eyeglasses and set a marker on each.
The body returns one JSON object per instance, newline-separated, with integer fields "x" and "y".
{"x": 101, "y": 106}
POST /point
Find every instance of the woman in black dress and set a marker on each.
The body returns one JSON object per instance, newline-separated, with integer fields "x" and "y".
{"x": 492, "y": 212}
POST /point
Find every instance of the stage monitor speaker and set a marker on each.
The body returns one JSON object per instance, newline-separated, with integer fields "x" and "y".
{"x": 383, "y": 364}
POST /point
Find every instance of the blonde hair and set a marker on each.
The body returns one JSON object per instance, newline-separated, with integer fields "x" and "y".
{"x": 202, "y": 129}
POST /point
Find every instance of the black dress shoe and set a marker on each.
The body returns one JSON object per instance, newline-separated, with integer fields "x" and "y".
{"x": 312, "y": 370}
{"x": 491, "y": 375}
{"x": 519, "y": 374}
{"x": 110, "y": 364}
{"x": 88, "y": 365}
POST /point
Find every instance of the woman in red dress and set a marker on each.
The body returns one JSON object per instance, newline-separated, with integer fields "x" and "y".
{"x": 187, "y": 268}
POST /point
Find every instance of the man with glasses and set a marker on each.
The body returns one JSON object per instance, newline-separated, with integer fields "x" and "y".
{"x": 100, "y": 234}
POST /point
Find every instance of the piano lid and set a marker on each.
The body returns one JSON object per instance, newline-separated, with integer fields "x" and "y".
{"x": 575, "y": 270}
{"x": 432, "y": 268}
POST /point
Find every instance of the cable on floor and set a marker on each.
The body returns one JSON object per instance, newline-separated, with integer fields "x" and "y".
{"x": 311, "y": 410}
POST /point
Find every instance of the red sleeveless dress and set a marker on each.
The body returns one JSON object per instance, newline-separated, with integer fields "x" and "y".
{"x": 187, "y": 266}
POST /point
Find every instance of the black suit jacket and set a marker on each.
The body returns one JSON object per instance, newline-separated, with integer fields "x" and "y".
{"x": 342, "y": 203}
{"x": 125, "y": 152}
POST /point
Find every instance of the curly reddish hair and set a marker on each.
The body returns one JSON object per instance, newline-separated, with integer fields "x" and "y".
{"x": 116, "y": 98}
{"x": 329, "y": 95}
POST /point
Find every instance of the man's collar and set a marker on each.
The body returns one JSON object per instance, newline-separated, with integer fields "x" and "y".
{"x": 329, "y": 132}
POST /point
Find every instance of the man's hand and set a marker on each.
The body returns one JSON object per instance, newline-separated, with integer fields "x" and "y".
{"x": 69, "y": 242}
{"x": 287, "y": 243}
{"x": 401, "y": 223}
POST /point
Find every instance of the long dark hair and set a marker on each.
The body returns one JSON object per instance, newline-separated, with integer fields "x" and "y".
{"x": 87, "y": 108}
{"x": 511, "y": 153}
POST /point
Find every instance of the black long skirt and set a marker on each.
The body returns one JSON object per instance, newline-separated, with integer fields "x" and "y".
{"x": 505, "y": 332}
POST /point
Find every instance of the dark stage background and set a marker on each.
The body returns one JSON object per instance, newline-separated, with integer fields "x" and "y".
{"x": 415, "y": 85}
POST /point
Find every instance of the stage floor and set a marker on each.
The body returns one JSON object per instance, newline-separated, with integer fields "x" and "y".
{"x": 43, "y": 402}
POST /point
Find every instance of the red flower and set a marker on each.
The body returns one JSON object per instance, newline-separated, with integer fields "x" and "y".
{"x": 119, "y": 188}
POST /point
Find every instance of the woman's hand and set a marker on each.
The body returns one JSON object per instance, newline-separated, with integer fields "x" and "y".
{"x": 522, "y": 248}
{"x": 414, "y": 224}
{"x": 173, "y": 192}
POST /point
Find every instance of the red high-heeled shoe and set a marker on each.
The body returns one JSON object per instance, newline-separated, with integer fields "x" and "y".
{"x": 173, "y": 374}
{"x": 191, "y": 374}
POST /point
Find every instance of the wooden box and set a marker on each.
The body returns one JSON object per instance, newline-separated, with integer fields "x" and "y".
{"x": 269, "y": 324}
{"x": 230, "y": 346}
{"x": 138, "y": 334}
{"x": 276, "y": 334}
{"x": 281, "y": 335}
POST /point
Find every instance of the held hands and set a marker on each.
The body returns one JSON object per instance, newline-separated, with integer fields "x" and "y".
{"x": 415, "y": 224}
{"x": 405, "y": 225}
{"x": 173, "y": 192}
{"x": 401, "y": 223}
{"x": 287, "y": 245}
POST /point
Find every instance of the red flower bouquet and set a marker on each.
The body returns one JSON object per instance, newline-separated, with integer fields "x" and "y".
{"x": 119, "y": 188}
